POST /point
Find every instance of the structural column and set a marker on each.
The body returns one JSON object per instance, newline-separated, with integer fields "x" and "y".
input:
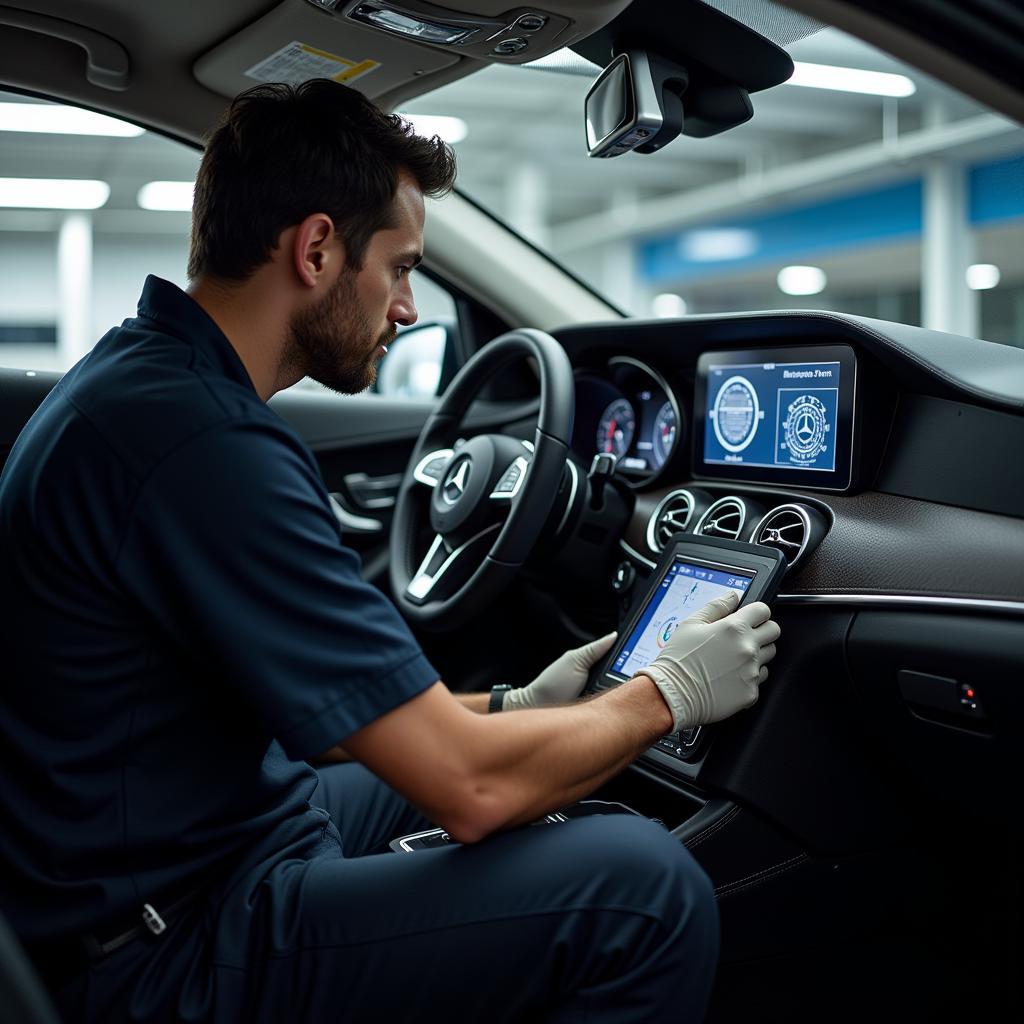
{"x": 947, "y": 246}
{"x": 619, "y": 279}
{"x": 74, "y": 288}
{"x": 528, "y": 203}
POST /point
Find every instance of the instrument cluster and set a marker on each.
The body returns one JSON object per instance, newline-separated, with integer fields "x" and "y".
{"x": 628, "y": 410}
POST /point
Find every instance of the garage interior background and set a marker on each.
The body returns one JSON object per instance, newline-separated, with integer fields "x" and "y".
{"x": 899, "y": 199}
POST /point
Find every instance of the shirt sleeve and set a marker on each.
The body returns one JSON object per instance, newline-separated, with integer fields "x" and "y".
{"x": 233, "y": 550}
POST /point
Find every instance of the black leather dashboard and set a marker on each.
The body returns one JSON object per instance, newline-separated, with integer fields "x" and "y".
{"x": 936, "y": 509}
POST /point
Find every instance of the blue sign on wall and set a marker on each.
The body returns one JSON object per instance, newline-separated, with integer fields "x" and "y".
{"x": 894, "y": 213}
{"x": 996, "y": 190}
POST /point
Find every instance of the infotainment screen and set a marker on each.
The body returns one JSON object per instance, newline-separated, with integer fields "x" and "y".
{"x": 685, "y": 588}
{"x": 777, "y": 415}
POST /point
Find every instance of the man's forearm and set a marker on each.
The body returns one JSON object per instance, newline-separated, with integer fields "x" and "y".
{"x": 477, "y": 702}
{"x": 474, "y": 774}
{"x": 474, "y": 701}
{"x": 533, "y": 761}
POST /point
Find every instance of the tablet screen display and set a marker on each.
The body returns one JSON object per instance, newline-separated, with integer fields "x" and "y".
{"x": 687, "y": 587}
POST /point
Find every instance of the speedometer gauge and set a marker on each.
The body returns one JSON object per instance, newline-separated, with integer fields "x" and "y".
{"x": 616, "y": 427}
{"x": 663, "y": 436}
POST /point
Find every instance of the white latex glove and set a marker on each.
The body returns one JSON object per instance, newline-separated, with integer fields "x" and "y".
{"x": 715, "y": 661}
{"x": 563, "y": 680}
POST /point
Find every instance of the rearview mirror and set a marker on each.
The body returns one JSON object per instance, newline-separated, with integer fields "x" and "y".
{"x": 636, "y": 102}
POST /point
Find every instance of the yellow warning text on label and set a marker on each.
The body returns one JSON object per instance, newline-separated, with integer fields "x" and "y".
{"x": 298, "y": 62}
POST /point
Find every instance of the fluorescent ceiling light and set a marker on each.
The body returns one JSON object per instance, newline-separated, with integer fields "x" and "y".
{"x": 873, "y": 83}
{"x": 166, "y": 195}
{"x": 53, "y": 193}
{"x": 668, "y": 304}
{"x": 982, "y": 276}
{"x": 55, "y": 119}
{"x": 451, "y": 129}
{"x": 802, "y": 280}
{"x": 709, "y": 245}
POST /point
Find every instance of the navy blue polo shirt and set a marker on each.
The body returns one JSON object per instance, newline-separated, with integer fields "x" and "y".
{"x": 181, "y": 627}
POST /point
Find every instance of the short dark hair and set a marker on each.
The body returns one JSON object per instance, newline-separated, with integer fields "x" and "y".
{"x": 282, "y": 153}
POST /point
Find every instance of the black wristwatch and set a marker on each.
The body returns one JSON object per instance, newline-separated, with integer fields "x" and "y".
{"x": 497, "y": 697}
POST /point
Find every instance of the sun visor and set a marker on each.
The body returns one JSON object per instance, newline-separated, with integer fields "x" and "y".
{"x": 295, "y": 42}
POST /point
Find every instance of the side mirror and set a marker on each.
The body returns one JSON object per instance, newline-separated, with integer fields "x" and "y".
{"x": 412, "y": 367}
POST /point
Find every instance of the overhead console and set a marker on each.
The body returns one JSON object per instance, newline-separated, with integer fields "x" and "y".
{"x": 393, "y": 49}
{"x": 777, "y": 416}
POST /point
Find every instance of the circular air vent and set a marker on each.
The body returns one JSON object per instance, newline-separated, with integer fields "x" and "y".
{"x": 672, "y": 516}
{"x": 787, "y": 528}
{"x": 725, "y": 518}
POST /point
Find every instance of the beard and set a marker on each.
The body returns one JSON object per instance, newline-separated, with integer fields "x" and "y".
{"x": 334, "y": 341}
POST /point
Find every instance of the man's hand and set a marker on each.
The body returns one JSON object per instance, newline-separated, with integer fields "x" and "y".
{"x": 563, "y": 680}
{"x": 715, "y": 661}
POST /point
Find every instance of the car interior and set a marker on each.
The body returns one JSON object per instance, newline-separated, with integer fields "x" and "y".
{"x": 569, "y": 462}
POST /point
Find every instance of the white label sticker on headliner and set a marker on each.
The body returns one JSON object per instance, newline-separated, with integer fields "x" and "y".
{"x": 297, "y": 63}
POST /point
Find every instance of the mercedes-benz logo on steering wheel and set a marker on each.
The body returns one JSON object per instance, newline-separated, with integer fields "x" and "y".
{"x": 454, "y": 485}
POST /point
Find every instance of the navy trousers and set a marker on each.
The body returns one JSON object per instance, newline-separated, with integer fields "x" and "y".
{"x": 598, "y": 919}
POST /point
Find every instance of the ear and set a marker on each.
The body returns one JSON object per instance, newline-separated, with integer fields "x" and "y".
{"x": 314, "y": 248}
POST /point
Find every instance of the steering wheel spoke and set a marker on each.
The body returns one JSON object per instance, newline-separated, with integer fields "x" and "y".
{"x": 443, "y": 562}
{"x": 431, "y": 467}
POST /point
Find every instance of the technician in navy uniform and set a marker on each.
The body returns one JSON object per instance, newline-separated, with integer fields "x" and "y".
{"x": 184, "y": 630}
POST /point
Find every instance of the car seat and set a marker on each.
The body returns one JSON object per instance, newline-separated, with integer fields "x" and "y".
{"x": 21, "y": 991}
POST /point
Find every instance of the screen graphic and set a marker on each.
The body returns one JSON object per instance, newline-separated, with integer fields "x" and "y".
{"x": 772, "y": 414}
{"x": 686, "y": 588}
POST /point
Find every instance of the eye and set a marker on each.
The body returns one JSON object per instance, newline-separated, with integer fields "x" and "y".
{"x": 404, "y": 270}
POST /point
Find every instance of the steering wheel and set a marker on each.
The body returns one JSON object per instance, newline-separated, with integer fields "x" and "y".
{"x": 490, "y": 496}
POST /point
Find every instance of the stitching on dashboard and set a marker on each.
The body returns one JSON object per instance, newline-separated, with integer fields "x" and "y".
{"x": 710, "y": 830}
{"x": 730, "y": 888}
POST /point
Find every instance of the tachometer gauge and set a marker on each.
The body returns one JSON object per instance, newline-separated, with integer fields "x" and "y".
{"x": 664, "y": 435}
{"x": 616, "y": 428}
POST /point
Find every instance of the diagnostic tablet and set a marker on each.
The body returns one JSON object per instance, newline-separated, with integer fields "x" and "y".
{"x": 693, "y": 571}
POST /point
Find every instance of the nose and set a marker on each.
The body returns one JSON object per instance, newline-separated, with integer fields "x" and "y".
{"x": 403, "y": 306}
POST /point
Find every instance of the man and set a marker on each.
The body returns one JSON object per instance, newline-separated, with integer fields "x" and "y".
{"x": 185, "y": 631}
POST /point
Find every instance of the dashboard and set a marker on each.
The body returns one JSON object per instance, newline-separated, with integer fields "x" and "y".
{"x": 875, "y": 457}
{"x": 878, "y": 428}
{"x": 771, "y": 416}
{"x": 628, "y": 409}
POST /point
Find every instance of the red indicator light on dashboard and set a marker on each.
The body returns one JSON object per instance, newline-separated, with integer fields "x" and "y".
{"x": 970, "y": 693}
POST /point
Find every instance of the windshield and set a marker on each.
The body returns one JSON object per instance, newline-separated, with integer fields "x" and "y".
{"x": 861, "y": 186}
